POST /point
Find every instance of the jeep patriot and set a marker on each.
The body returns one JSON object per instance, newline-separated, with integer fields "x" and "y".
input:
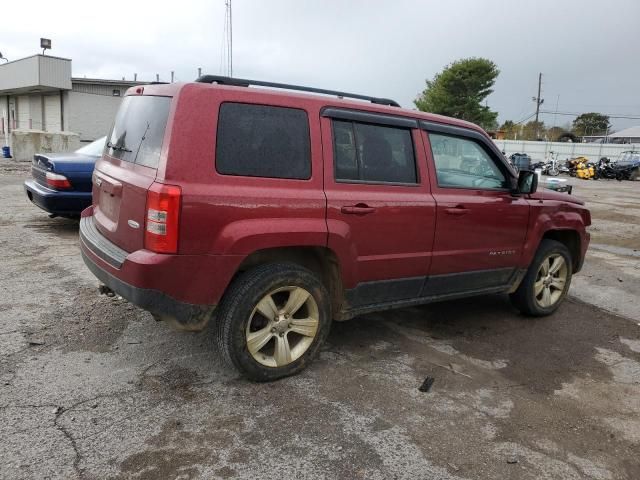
{"x": 271, "y": 213}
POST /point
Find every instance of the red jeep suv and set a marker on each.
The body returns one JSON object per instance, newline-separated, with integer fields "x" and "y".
{"x": 272, "y": 213}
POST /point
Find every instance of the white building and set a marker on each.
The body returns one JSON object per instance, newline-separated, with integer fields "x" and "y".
{"x": 39, "y": 93}
{"x": 628, "y": 135}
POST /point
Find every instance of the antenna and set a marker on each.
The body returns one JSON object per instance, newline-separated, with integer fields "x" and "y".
{"x": 230, "y": 42}
{"x": 226, "y": 51}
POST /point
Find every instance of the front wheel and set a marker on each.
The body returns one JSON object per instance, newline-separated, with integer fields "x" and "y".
{"x": 547, "y": 280}
{"x": 272, "y": 321}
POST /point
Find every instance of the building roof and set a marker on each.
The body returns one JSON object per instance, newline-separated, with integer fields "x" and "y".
{"x": 33, "y": 56}
{"x": 103, "y": 81}
{"x": 631, "y": 132}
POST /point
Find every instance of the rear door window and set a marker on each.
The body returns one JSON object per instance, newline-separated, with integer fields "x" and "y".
{"x": 263, "y": 141}
{"x": 373, "y": 153}
{"x": 138, "y": 130}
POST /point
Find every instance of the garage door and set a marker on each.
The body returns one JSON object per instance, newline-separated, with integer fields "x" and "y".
{"x": 23, "y": 112}
{"x": 52, "y": 113}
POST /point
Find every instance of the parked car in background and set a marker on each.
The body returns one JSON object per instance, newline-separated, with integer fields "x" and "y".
{"x": 271, "y": 214}
{"x": 61, "y": 182}
{"x": 627, "y": 166}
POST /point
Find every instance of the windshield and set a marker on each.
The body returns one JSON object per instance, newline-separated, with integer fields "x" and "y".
{"x": 628, "y": 157}
{"x": 93, "y": 149}
{"x": 138, "y": 130}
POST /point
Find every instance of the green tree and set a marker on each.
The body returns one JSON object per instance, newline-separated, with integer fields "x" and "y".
{"x": 533, "y": 130}
{"x": 458, "y": 91}
{"x": 591, "y": 124}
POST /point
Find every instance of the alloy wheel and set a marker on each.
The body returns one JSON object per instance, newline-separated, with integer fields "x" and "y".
{"x": 282, "y": 326}
{"x": 550, "y": 281}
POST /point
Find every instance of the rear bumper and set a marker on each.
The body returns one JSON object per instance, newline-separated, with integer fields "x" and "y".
{"x": 55, "y": 201}
{"x": 181, "y": 288}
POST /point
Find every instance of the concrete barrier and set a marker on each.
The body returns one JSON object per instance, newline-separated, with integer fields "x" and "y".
{"x": 26, "y": 143}
{"x": 539, "y": 150}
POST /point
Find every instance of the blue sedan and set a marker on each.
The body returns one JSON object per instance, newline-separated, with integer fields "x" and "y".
{"x": 61, "y": 183}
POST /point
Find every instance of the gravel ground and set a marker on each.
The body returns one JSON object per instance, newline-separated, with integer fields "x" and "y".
{"x": 92, "y": 387}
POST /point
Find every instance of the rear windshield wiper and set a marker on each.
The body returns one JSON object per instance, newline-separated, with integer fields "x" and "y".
{"x": 117, "y": 148}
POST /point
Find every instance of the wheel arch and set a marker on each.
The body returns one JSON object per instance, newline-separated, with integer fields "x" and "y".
{"x": 571, "y": 240}
{"x": 321, "y": 260}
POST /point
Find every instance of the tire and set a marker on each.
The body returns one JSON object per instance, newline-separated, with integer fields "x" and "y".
{"x": 276, "y": 337}
{"x": 635, "y": 175}
{"x": 554, "y": 172}
{"x": 530, "y": 297}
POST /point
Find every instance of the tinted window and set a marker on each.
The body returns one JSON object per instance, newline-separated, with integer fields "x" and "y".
{"x": 463, "y": 163}
{"x": 138, "y": 130}
{"x": 373, "y": 153}
{"x": 261, "y": 141}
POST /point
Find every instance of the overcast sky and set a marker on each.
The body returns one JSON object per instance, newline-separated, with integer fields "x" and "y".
{"x": 588, "y": 52}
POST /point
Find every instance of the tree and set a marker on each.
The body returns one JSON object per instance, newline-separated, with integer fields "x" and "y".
{"x": 510, "y": 129}
{"x": 591, "y": 124}
{"x": 554, "y": 133}
{"x": 458, "y": 91}
{"x": 533, "y": 130}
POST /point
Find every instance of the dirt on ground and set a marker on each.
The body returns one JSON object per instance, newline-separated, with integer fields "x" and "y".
{"x": 92, "y": 387}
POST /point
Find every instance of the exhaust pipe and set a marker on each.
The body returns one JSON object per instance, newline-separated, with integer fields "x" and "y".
{"x": 104, "y": 290}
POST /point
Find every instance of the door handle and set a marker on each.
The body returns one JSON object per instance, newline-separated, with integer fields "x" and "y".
{"x": 457, "y": 210}
{"x": 359, "y": 209}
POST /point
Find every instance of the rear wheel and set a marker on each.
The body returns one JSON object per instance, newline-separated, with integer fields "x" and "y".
{"x": 635, "y": 174}
{"x": 547, "y": 280}
{"x": 272, "y": 321}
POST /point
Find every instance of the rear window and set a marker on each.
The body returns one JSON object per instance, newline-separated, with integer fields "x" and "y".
{"x": 93, "y": 149}
{"x": 263, "y": 141}
{"x": 138, "y": 130}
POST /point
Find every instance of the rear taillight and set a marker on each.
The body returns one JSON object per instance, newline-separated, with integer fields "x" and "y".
{"x": 57, "y": 181}
{"x": 163, "y": 217}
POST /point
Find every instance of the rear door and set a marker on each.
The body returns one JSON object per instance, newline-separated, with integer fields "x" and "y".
{"x": 481, "y": 227}
{"x": 128, "y": 168}
{"x": 380, "y": 213}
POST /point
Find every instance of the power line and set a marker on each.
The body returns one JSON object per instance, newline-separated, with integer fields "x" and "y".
{"x": 526, "y": 118}
{"x": 574, "y": 114}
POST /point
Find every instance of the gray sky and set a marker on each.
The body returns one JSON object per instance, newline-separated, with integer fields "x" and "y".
{"x": 588, "y": 52}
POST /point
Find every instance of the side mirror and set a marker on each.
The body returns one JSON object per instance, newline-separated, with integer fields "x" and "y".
{"x": 527, "y": 182}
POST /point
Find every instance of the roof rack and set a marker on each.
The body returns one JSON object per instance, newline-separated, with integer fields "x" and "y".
{"x": 240, "y": 82}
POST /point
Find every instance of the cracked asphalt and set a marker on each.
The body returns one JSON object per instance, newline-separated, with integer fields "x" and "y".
{"x": 93, "y": 388}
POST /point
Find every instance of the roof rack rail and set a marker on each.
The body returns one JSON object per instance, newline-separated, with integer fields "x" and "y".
{"x": 240, "y": 82}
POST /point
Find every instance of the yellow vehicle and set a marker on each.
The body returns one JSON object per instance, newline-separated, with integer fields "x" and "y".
{"x": 581, "y": 169}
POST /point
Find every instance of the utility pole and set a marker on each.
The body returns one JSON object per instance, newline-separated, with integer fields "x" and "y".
{"x": 230, "y": 42}
{"x": 539, "y": 101}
